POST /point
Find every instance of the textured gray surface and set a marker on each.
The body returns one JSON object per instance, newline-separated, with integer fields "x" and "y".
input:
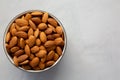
{"x": 93, "y": 32}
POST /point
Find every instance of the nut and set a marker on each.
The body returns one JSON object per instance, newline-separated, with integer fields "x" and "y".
{"x": 43, "y": 37}
{"x": 21, "y": 22}
{"x": 34, "y": 62}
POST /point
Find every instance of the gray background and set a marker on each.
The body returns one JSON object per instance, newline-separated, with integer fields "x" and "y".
{"x": 93, "y": 32}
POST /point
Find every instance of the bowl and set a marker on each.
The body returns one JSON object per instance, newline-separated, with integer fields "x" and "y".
{"x": 25, "y": 64}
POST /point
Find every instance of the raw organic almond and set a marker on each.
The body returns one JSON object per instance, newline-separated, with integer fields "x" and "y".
{"x": 50, "y": 55}
{"x": 22, "y": 43}
{"x": 36, "y": 68}
{"x": 43, "y": 37}
{"x": 24, "y": 28}
{"x": 59, "y": 30}
{"x": 28, "y": 16}
{"x": 8, "y": 36}
{"x": 36, "y": 33}
{"x": 8, "y": 48}
{"x": 32, "y": 25}
{"x": 13, "y": 31}
{"x": 23, "y": 17}
{"x": 59, "y": 50}
{"x": 41, "y": 53}
{"x": 36, "y": 13}
{"x": 38, "y": 42}
{"x": 12, "y": 26}
{"x": 49, "y": 43}
{"x": 51, "y": 48}
{"x": 24, "y": 62}
{"x": 19, "y": 52}
{"x": 52, "y": 21}
{"x": 17, "y": 27}
{"x": 35, "y": 49}
{"x": 27, "y": 50}
{"x": 59, "y": 41}
{"x": 42, "y": 47}
{"x": 26, "y": 67}
{"x": 21, "y": 34}
{"x": 14, "y": 49}
{"x": 21, "y": 22}
{"x": 26, "y": 41}
{"x": 50, "y": 37}
{"x": 31, "y": 41}
{"x": 42, "y": 65}
{"x": 36, "y": 20}
{"x": 45, "y": 17}
{"x": 22, "y": 58}
{"x": 48, "y": 31}
{"x": 31, "y": 56}
{"x": 49, "y": 63}
{"x": 13, "y": 41}
{"x": 42, "y": 26}
{"x": 52, "y": 27}
{"x": 34, "y": 62}
{"x": 15, "y": 61}
{"x": 56, "y": 56}
{"x": 30, "y": 32}
{"x": 56, "y": 35}
{"x": 43, "y": 59}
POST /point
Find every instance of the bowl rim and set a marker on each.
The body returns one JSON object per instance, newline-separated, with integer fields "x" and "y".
{"x": 7, "y": 28}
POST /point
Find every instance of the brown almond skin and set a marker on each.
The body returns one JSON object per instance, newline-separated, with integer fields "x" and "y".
{"x": 17, "y": 27}
{"x": 45, "y": 17}
{"x": 48, "y": 31}
{"x": 28, "y": 16}
{"x": 56, "y": 57}
{"x": 42, "y": 65}
{"x": 42, "y": 26}
{"x": 59, "y": 30}
{"x": 41, "y": 53}
{"x": 8, "y": 36}
{"x": 12, "y": 26}
{"x": 26, "y": 67}
{"x": 24, "y": 62}
{"x": 52, "y": 21}
{"x": 36, "y": 13}
{"x": 22, "y": 43}
{"x": 36, "y": 20}
{"x": 43, "y": 59}
{"x": 19, "y": 52}
{"x": 24, "y": 28}
{"x": 31, "y": 41}
{"x": 31, "y": 56}
{"x": 23, "y": 17}
{"x": 15, "y": 61}
{"x": 51, "y": 48}
{"x": 21, "y": 34}
{"x": 27, "y": 50}
{"x": 13, "y": 31}
{"x": 35, "y": 49}
{"x": 52, "y": 27}
{"x": 38, "y": 42}
{"x": 59, "y": 50}
{"x": 43, "y": 37}
{"x": 50, "y": 55}
{"x": 32, "y": 25}
{"x": 34, "y": 62}
{"x": 42, "y": 47}
{"x": 36, "y": 33}
{"x": 30, "y": 32}
{"x": 21, "y": 22}
{"x": 49, "y": 43}
{"x": 56, "y": 35}
{"x": 50, "y": 37}
{"x": 13, "y": 42}
{"x": 59, "y": 41}
{"x": 22, "y": 58}
{"x": 14, "y": 49}
{"x": 49, "y": 63}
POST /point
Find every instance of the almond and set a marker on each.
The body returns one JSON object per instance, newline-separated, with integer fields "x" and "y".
{"x": 48, "y": 31}
{"x": 30, "y": 32}
{"x": 59, "y": 30}
{"x": 35, "y": 49}
{"x": 28, "y": 16}
{"x": 52, "y": 21}
{"x": 56, "y": 56}
{"x": 42, "y": 65}
{"x": 49, "y": 63}
{"x": 22, "y": 58}
{"x": 19, "y": 52}
{"x": 24, "y": 62}
{"x": 32, "y": 25}
{"x": 23, "y": 17}
{"x": 13, "y": 31}
{"x": 42, "y": 26}
{"x": 38, "y": 42}
{"x": 43, "y": 37}
{"x": 27, "y": 50}
{"x": 51, "y": 48}
{"x": 59, "y": 50}
{"x": 43, "y": 59}
{"x": 31, "y": 56}
{"x": 36, "y": 20}
{"x": 24, "y": 28}
{"x": 12, "y": 26}
{"x": 50, "y": 37}
{"x": 21, "y": 34}
{"x": 8, "y": 36}
{"x": 26, "y": 67}
{"x": 42, "y": 47}
{"x": 56, "y": 35}
{"x": 36, "y": 68}
{"x": 22, "y": 43}
{"x": 59, "y": 41}
{"x": 52, "y": 27}
{"x": 13, "y": 41}
{"x": 15, "y": 61}
{"x": 36, "y": 33}
{"x": 50, "y": 55}
{"x": 31, "y": 41}
{"x": 41, "y": 53}
{"x": 17, "y": 27}
{"x": 45, "y": 17}
{"x": 34, "y": 62}
{"x": 36, "y": 13}
{"x": 21, "y": 22}
{"x": 14, "y": 49}
{"x": 49, "y": 43}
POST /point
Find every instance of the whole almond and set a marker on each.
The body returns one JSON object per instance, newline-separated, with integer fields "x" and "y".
{"x": 12, "y": 26}
{"x": 59, "y": 50}
{"x": 56, "y": 35}
{"x": 30, "y": 32}
{"x": 50, "y": 55}
{"x": 56, "y": 56}
{"x": 38, "y": 42}
{"x": 21, "y": 34}
{"x": 34, "y": 62}
{"x": 24, "y": 28}
{"x": 8, "y": 36}
{"x": 28, "y": 16}
{"x": 22, "y": 43}
{"x": 42, "y": 65}
{"x": 59, "y": 41}
{"x": 52, "y": 21}
{"x": 49, "y": 63}
{"x": 26, "y": 67}
{"x": 22, "y": 58}
{"x": 27, "y": 50}
{"x": 43, "y": 59}
{"x": 59, "y": 30}
{"x": 15, "y": 61}
{"x": 26, "y": 41}
{"x": 31, "y": 56}
{"x": 17, "y": 27}
{"x": 45, "y": 17}
{"x": 19, "y": 52}
{"x": 41, "y": 53}
{"x": 36, "y": 68}
{"x": 42, "y": 47}
{"x": 50, "y": 37}
{"x": 52, "y": 27}
{"x": 13, "y": 31}
{"x": 51, "y": 48}
{"x": 35, "y": 49}
{"x": 42, "y": 26}
{"x": 49, "y": 43}
{"x": 36, "y": 33}
{"x": 14, "y": 49}
{"x": 31, "y": 41}
{"x": 24, "y": 62}
{"x": 48, "y": 31}
{"x": 36, "y": 13}
{"x": 13, "y": 41}
{"x": 21, "y": 22}
{"x": 36, "y": 20}
{"x": 23, "y": 17}
{"x": 43, "y": 37}
{"x": 32, "y": 25}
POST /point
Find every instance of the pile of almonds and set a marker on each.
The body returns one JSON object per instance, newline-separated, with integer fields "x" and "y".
{"x": 35, "y": 41}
